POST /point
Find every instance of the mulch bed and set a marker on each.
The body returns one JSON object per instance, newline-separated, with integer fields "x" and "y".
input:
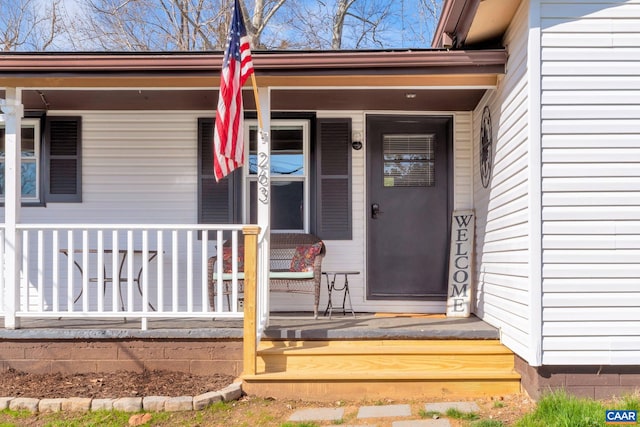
{"x": 109, "y": 384}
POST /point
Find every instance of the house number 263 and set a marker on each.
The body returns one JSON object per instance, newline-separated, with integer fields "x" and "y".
{"x": 263, "y": 178}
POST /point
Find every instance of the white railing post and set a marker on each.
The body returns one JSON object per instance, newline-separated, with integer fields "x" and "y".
{"x": 13, "y": 110}
{"x": 145, "y": 277}
{"x": 160, "y": 270}
{"x": 2, "y": 278}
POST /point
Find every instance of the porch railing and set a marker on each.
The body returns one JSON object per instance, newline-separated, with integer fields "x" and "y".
{"x": 115, "y": 271}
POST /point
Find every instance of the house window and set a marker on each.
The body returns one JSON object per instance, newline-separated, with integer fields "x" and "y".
{"x": 310, "y": 180}
{"x": 51, "y": 161}
{"x": 289, "y": 175}
{"x": 30, "y": 160}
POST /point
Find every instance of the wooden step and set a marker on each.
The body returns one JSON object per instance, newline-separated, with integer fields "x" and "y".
{"x": 365, "y": 357}
{"x": 404, "y": 346}
{"x": 385, "y": 376}
{"x": 350, "y": 390}
{"x": 313, "y": 369}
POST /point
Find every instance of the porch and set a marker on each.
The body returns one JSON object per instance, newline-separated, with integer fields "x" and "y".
{"x": 68, "y": 314}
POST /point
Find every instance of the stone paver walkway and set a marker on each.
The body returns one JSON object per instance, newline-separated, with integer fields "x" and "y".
{"x": 396, "y": 415}
{"x": 384, "y": 411}
{"x": 318, "y": 414}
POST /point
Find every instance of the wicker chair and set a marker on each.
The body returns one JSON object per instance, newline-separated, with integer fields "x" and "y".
{"x": 283, "y": 247}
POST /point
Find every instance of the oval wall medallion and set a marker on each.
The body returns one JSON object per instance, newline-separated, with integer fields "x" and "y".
{"x": 486, "y": 147}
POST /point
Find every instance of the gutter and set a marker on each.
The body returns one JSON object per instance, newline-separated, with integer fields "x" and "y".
{"x": 302, "y": 63}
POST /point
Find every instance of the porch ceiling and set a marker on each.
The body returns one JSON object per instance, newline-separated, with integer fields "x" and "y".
{"x": 441, "y": 80}
{"x": 283, "y": 100}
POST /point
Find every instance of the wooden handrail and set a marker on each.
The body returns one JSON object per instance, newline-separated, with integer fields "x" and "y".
{"x": 250, "y": 309}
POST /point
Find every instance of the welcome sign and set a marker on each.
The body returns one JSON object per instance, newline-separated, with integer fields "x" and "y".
{"x": 460, "y": 259}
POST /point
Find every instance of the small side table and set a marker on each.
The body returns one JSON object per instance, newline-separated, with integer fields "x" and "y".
{"x": 331, "y": 287}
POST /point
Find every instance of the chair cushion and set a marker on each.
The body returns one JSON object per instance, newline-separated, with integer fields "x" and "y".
{"x": 290, "y": 275}
{"x": 272, "y": 275}
{"x": 304, "y": 257}
{"x": 227, "y": 259}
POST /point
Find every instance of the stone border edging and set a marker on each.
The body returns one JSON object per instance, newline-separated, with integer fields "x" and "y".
{"x": 126, "y": 404}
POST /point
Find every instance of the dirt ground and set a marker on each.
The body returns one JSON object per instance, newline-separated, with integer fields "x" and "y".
{"x": 248, "y": 411}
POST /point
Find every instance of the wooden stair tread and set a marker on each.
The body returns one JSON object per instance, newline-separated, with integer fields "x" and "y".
{"x": 365, "y": 347}
{"x": 384, "y": 362}
{"x": 348, "y": 376}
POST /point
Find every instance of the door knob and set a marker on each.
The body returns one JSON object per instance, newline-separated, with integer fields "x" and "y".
{"x": 375, "y": 210}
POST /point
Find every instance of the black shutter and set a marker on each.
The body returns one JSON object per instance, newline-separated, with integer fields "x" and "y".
{"x": 333, "y": 179}
{"x": 216, "y": 200}
{"x": 63, "y": 142}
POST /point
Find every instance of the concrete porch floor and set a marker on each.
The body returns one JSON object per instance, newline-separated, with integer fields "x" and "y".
{"x": 282, "y": 326}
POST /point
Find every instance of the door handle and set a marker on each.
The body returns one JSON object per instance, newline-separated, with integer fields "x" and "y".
{"x": 375, "y": 210}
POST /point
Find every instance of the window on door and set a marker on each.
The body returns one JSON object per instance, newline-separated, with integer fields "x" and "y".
{"x": 409, "y": 160}
{"x": 289, "y": 175}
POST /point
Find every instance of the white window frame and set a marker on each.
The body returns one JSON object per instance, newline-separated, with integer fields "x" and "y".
{"x": 247, "y": 178}
{"x": 35, "y": 124}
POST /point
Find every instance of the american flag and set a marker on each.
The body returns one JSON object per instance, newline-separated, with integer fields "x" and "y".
{"x": 228, "y": 142}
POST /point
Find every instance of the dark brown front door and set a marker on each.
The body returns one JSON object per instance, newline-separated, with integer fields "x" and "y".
{"x": 408, "y": 206}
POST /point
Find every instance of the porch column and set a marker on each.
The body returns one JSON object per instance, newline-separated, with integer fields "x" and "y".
{"x": 264, "y": 191}
{"x": 13, "y": 110}
{"x": 250, "y": 341}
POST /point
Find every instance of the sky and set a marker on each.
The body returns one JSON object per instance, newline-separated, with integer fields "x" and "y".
{"x": 406, "y": 30}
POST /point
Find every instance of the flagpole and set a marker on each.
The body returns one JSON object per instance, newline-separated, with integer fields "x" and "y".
{"x": 257, "y": 99}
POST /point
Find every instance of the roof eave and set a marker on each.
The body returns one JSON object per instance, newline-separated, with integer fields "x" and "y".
{"x": 303, "y": 63}
{"x": 455, "y": 21}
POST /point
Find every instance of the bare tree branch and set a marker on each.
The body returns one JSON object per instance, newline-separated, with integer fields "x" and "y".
{"x": 30, "y": 24}
{"x": 338, "y": 22}
{"x": 257, "y": 25}
{"x": 195, "y": 24}
{"x": 186, "y": 25}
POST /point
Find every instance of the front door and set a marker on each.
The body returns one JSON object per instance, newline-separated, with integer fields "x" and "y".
{"x": 408, "y": 204}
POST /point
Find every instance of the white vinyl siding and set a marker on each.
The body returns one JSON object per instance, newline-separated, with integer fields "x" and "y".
{"x": 590, "y": 116}
{"x": 503, "y": 269}
{"x": 463, "y": 161}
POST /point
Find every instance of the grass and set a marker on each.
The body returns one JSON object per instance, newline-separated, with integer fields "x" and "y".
{"x": 559, "y": 409}
{"x": 96, "y": 418}
{"x": 302, "y": 424}
{"x": 556, "y": 409}
{"x": 459, "y": 415}
{"x": 631, "y": 402}
{"x": 15, "y": 414}
{"x": 429, "y": 414}
{"x": 487, "y": 423}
